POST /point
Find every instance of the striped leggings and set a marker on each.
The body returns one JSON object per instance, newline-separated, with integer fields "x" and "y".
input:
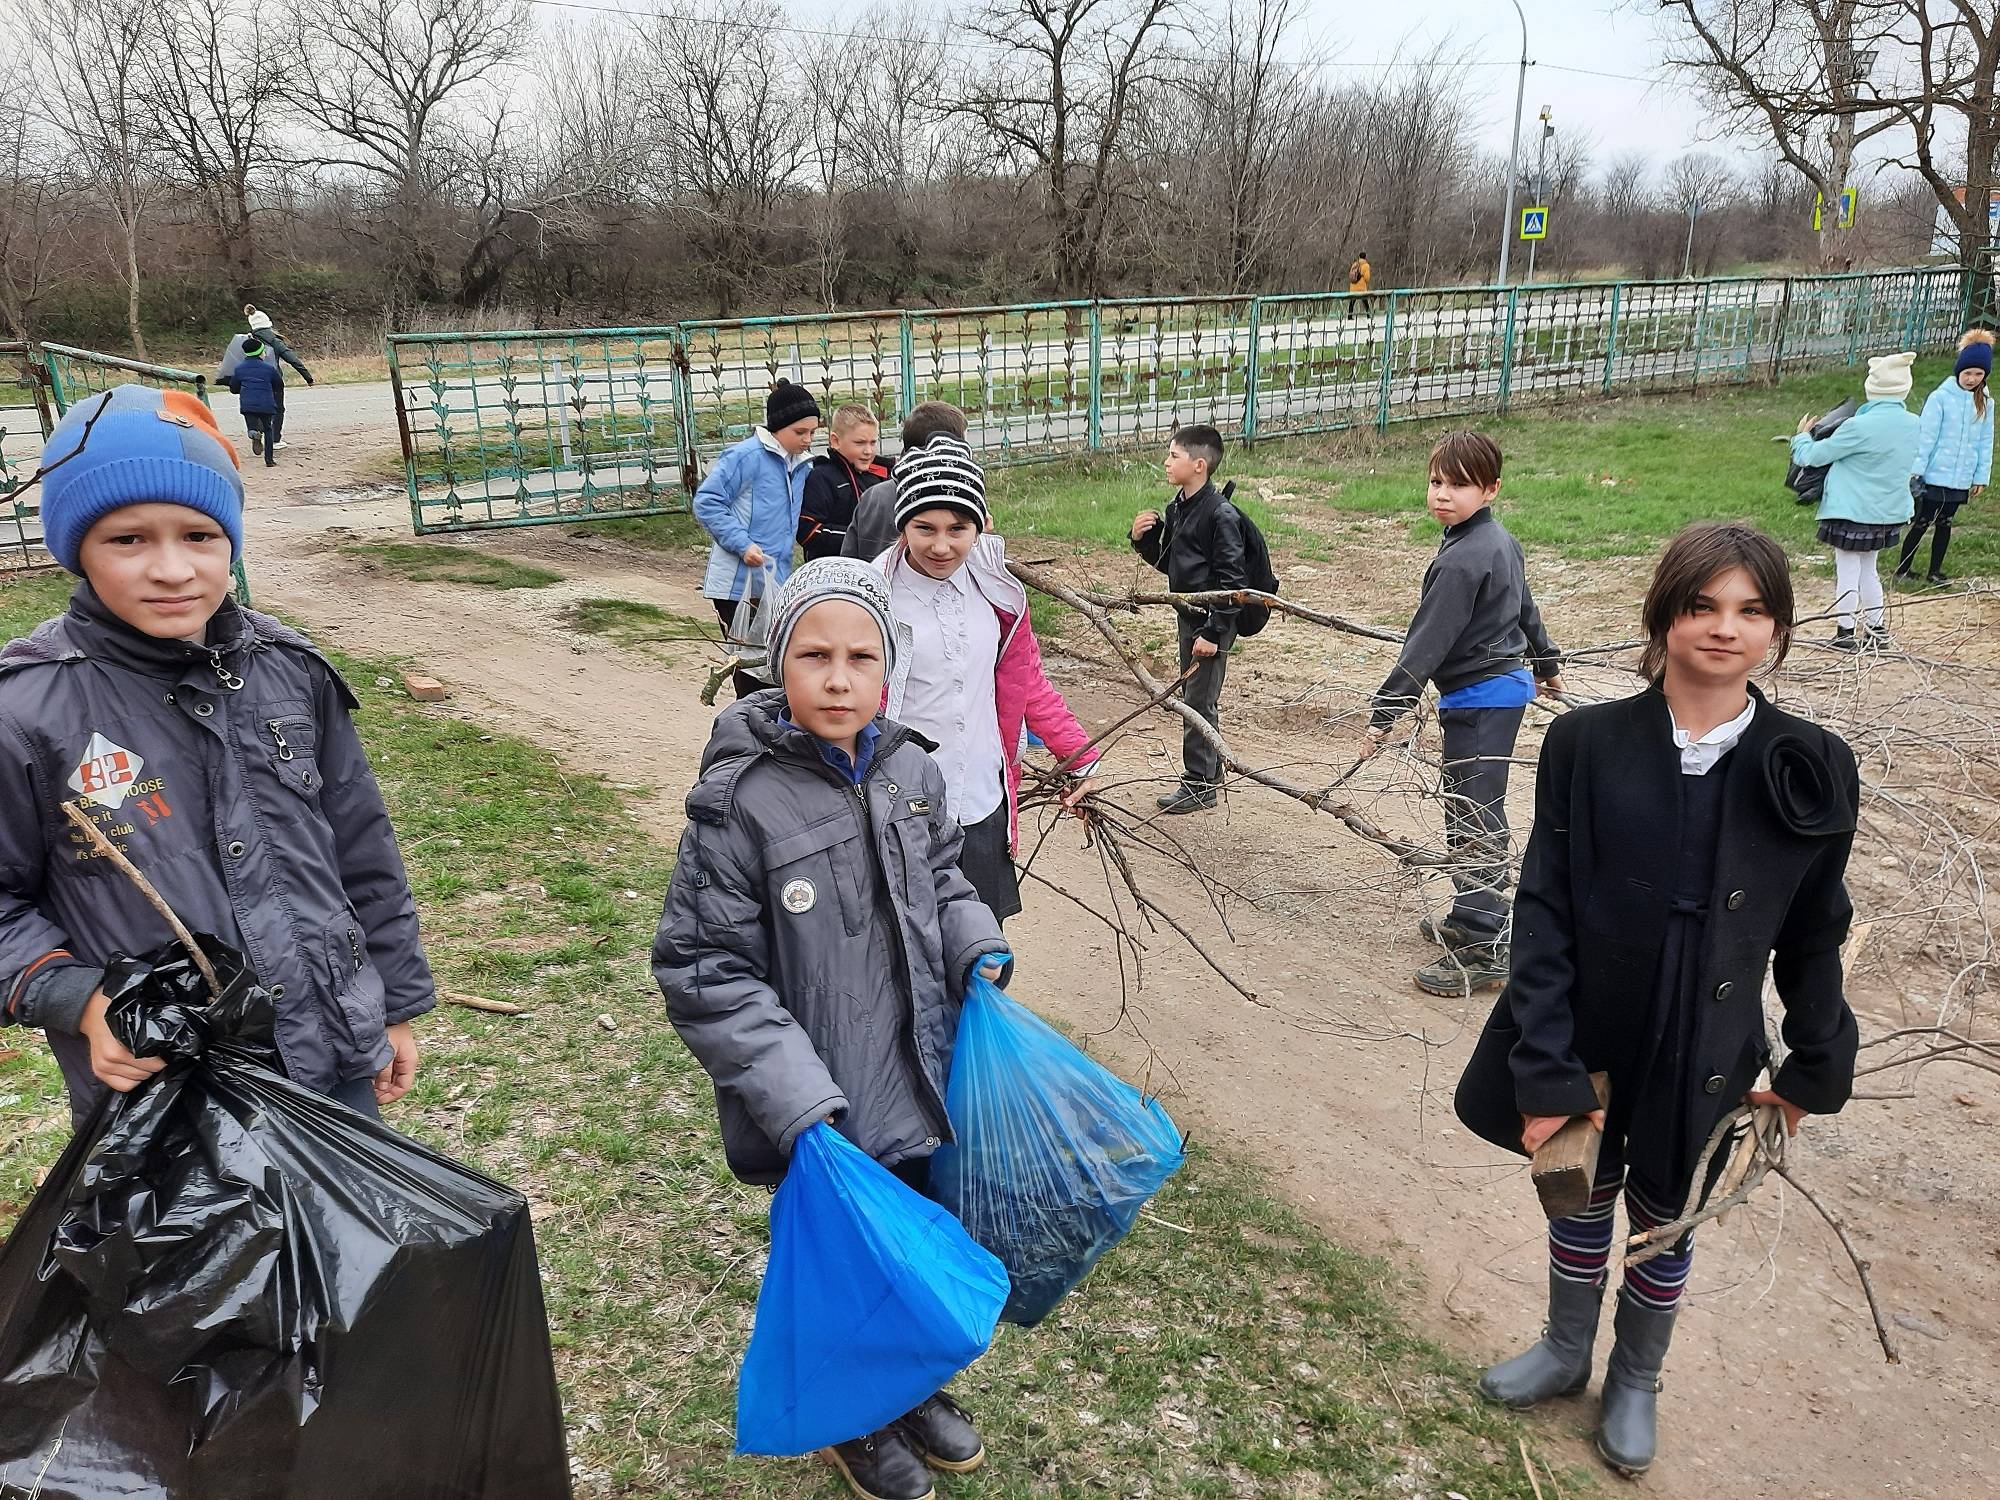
{"x": 1580, "y": 1246}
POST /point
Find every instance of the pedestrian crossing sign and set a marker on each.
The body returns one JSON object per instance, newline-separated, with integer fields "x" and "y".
{"x": 1535, "y": 223}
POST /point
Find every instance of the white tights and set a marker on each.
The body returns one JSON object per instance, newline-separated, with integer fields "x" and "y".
{"x": 1855, "y": 578}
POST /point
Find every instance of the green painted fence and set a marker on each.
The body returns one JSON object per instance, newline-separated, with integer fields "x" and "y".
{"x": 514, "y": 429}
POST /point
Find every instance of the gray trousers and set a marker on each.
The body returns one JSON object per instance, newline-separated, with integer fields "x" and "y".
{"x": 1478, "y": 744}
{"x": 1201, "y": 765}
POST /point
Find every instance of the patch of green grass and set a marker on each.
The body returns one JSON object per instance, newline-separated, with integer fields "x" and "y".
{"x": 675, "y": 531}
{"x": 1229, "y": 1350}
{"x": 428, "y": 562}
{"x": 626, "y": 622}
{"x": 1616, "y": 478}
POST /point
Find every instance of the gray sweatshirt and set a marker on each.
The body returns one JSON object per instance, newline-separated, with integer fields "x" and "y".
{"x": 1476, "y": 620}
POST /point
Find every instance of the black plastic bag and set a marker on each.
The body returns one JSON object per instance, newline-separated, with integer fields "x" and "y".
{"x": 232, "y": 1287}
{"x": 1808, "y": 482}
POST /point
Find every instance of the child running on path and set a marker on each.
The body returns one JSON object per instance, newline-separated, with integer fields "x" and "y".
{"x": 974, "y": 682}
{"x": 1476, "y": 633}
{"x": 216, "y": 747}
{"x": 818, "y": 937}
{"x": 1954, "y": 453}
{"x": 1684, "y": 839}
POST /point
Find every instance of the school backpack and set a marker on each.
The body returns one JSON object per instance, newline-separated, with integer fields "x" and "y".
{"x": 1252, "y": 618}
{"x": 1809, "y": 482}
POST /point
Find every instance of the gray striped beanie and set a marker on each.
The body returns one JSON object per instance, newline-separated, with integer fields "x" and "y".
{"x": 942, "y": 473}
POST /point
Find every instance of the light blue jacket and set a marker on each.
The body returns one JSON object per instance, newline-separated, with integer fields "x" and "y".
{"x": 1955, "y": 445}
{"x": 753, "y": 494}
{"x": 1873, "y": 454}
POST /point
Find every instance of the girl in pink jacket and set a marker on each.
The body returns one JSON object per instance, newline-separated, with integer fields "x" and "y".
{"x": 974, "y": 681}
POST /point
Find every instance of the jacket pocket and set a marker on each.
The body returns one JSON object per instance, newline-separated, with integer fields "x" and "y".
{"x": 820, "y": 863}
{"x": 360, "y": 1000}
{"x": 292, "y": 743}
{"x": 916, "y": 884}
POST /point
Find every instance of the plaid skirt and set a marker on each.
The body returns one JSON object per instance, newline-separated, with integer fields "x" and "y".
{"x": 1859, "y": 536}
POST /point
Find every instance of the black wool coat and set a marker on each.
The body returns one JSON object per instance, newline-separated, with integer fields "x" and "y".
{"x": 1591, "y": 916}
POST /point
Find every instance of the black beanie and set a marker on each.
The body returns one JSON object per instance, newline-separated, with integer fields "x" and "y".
{"x": 787, "y": 404}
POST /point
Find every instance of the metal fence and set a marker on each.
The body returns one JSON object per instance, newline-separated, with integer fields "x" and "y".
{"x": 47, "y": 380}
{"x": 512, "y": 429}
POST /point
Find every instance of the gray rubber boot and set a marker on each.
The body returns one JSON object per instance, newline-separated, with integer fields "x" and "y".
{"x": 1560, "y": 1364}
{"x": 1628, "y": 1427}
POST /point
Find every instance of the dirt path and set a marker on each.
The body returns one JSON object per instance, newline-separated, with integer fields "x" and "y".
{"x": 1338, "y": 1078}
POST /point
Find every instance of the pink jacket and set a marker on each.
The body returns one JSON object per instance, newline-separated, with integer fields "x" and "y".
{"x": 1022, "y": 692}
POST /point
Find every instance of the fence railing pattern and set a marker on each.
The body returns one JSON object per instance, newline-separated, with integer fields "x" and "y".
{"x": 514, "y": 429}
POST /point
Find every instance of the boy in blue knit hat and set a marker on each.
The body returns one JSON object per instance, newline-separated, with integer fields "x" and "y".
{"x": 214, "y": 747}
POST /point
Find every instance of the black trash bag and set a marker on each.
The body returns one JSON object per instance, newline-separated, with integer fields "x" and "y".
{"x": 232, "y": 1287}
{"x": 1808, "y": 482}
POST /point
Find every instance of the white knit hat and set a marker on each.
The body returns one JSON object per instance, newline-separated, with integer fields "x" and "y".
{"x": 942, "y": 474}
{"x": 1889, "y": 377}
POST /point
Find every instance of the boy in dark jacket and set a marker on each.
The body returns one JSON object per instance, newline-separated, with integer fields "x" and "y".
{"x": 214, "y": 747}
{"x": 1475, "y": 633}
{"x": 838, "y": 479}
{"x": 1198, "y": 544}
{"x": 260, "y": 387}
{"x": 818, "y": 936}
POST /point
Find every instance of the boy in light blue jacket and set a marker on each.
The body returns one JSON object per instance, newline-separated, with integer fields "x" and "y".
{"x": 750, "y": 504}
{"x": 1954, "y": 452}
{"x": 1869, "y": 460}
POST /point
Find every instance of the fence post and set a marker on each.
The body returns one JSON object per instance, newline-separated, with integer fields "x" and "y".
{"x": 1611, "y": 338}
{"x": 1388, "y": 361}
{"x": 1095, "y": 426}
{"x": 1700, "y": 334}
{"x": 62, "y": 396}
{"x": 684, "y": 407}
{"x": 1250, "y": 374}
{"x": 906, "y": 354}
{"x": 1750, "y": 332}
{"x": 1919, "y": 287}
{"x": 1507, "y": 349}
{"x": 1778, "y": 341}
{"x": 1858, "y": 315}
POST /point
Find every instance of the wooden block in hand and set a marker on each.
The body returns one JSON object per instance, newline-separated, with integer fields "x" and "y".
{"x": 423, "y": 689}
{"x": 1565, "y": 1167}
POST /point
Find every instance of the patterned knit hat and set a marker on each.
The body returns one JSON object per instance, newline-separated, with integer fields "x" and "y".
{"x": 145, "y": 446}
{"x": 787, "y": 404}
{"x": 941, "y": 474}
{"x": 848, "y": 579}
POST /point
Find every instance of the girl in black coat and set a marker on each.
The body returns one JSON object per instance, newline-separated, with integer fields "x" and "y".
{"x": 1684, "y": 839}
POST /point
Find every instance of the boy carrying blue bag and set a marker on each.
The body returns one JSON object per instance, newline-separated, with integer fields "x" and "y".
{"x": 817, "y": 942}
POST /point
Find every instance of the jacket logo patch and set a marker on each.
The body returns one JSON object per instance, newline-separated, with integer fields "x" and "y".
{"x": 798, "y": 896}
{"x": 920, "y": 804}
{"x": 107, "y": 773}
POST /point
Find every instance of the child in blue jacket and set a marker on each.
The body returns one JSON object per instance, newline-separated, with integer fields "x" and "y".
{"x": 750, "y": 504}
{"x": 1954, "y": 453}
{"x": 260, "y": 387}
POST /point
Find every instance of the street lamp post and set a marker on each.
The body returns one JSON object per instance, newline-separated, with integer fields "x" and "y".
{"x": 1687, "y": 256}
{"x": 1514, "y": 156}
{"x": 1541, "y": 183}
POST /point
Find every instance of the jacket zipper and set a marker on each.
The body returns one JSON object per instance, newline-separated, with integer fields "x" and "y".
{"x": 278, "y": 734}
{"x": 222, "y": 673}
{"x": 354, "y": 947}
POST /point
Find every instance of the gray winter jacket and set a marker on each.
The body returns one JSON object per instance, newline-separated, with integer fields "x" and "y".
{"x": 234, "y": 779}
{"x": 816, "y": 940}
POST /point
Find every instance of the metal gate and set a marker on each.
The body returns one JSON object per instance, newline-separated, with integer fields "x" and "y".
{"x": 25, "y": 420}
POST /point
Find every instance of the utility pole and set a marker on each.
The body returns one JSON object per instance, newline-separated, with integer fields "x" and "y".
{"x": 1541, "y": 182}
{"x": 1687, "y": 256}
{"x": 1514, "y": 156}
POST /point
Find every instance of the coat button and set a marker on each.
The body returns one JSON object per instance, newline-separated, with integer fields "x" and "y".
{"x": 1736, "y": 900}
{"x": 1714, "y": 1084}
{"x": 236, "y": 848}
{"x": 1724, "y": 990}
{"x": 203, "y": 710}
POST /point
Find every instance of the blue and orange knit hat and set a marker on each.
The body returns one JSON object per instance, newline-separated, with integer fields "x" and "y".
{"x": 145, "y": 446}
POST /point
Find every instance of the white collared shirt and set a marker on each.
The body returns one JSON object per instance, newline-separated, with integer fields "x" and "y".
{"x": 1698, "y": 756}
{"x": 949, "y": 698}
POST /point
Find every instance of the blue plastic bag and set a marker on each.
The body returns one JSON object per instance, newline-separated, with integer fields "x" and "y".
{"x": 873, "y": 1299}
{"x": 1055, "y": 1155}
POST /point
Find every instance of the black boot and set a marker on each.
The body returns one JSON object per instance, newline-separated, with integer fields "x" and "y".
{"x": 1844, "y": 639}
{"x": 1560, "y": 1364}
{"x": 1940, "y": 541}
{"x": 1190, "y": 798}
{"x": 882, "y": 1466}
{"x": 1628, "y": 1427}
{"x": 942, "y": 1433}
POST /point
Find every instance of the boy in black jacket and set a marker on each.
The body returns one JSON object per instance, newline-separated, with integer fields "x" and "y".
{"x": 1475, "y": 633}
{"x": 1198, "y": 544}
{"x": 837, "y": 480}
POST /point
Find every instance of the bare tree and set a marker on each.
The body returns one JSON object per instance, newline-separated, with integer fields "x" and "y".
{"x": 1060, "y": 102}
{"x": 1793, "y": 71}
{"x": 208, "y": 82}
{"x": 1948, "y": 85}
{"x": 93, "y": 54}
{"x": 41, "y": 203}
{"x": 379, "y": 79}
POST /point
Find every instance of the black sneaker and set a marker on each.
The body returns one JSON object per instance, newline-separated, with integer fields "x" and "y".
{"x": 1189, "y": 799}
{"x": 1844, "y": 640}
{"x": 882, "y": 1466}
{"x": 942, "y": 1433}
{"x": 1879, "y": 639}
{"x": 1937, "y": 580}
{"x": 1465, "y": 971}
